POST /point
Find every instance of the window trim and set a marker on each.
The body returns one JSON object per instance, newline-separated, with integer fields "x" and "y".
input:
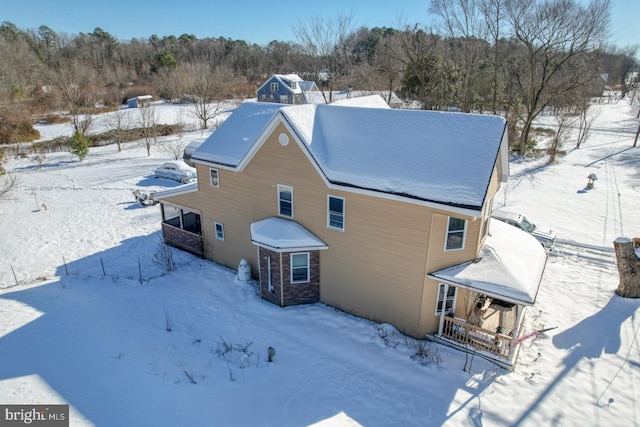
{"x": 445, "y": 298}
{"x": 329, "y": 211}
{"x": 214, "y": 183}
{"x": 282, "y": 187}
{"x": 275, "y": 86}
{"x": 215, "y": 229}
{"x": 308, "y": 267}
{"x": 464, "y": 234}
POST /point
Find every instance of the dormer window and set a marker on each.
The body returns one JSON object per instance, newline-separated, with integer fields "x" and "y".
{"x": 294, "y": 85}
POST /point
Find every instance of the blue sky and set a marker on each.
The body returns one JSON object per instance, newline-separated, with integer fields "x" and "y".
{"x": 255, "y": 21}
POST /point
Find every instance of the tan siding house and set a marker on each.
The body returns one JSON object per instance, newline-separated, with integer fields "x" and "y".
{"x": 366, "y": 210}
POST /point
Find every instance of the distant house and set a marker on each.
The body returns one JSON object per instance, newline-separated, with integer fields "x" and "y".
{"x": 139, "y": 101}
{"x": 285, "y": 89}
{"x": 380, "y": 212}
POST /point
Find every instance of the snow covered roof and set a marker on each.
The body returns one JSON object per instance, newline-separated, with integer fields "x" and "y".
{"x": 280, "y": 235}
{"x": 445, "y": 158}
{"x": 232, "y": 140}
{"x": 509, "y": 266}
{"x": 321, "y": 97}
{"x": 176, "y": 191}
{"x": 369, "y": 101}
{"x": 436, "y": 157}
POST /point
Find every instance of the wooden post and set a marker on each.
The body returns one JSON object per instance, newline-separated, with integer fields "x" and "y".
{"x": 628, "y": 267}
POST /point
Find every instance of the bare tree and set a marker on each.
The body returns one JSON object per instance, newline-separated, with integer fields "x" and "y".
{"x": 148, "y": 121}
{"x": 78, "y": 86}
{"x": 326, "y": 52}
{"x": 207, "y": 87}
{"x": 586, "y": 117}
{"x": 565, "y": 120}
{"x": 119, "y": 121}
{"x": 8, "y": 182}
{"x": 557, "y": 36}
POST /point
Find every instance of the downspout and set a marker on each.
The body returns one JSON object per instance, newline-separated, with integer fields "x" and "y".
{"x": 443, "y": 310}
{"x": 281, "y": 283}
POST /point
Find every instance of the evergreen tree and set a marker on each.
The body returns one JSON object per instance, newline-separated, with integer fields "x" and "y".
{"x": 79, "y": 145}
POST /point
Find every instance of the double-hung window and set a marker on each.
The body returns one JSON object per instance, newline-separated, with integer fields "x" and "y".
{"x": 335, "y": 212}
{"x": 214, "y": 178}
{"x": 456, "y": 230}
{"x": 300, "y": 267}
{"x": 219, "y": 230}
{"x": 285, "y": 201}
{"x": 274, "y": 87}
{"x": 448, "y": 301}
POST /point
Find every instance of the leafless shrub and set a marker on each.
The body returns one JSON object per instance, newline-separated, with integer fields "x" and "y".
{"x": 425, "y": 353}
{"x": 169, "y": 321}
{"x": 163, "y": 257}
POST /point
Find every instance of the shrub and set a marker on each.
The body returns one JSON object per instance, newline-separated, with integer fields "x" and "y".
{"x": 79, "y": 145}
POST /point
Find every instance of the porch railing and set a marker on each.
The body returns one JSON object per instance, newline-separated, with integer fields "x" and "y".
{"x": 478, "y": 338}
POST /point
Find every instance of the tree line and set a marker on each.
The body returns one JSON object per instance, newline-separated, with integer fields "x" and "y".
{"x": 509, "y": 57}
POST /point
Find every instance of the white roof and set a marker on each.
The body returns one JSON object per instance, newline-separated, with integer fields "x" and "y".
{"x": 437, "y": 157}
{"x": 175, "y": 191}
{"x": 232, "y": 140}
{"x": 440, "y": 157}
{"x": 369, "y": 101}
{"x": 282, "y": 235}
{"x": 509, "y": 266}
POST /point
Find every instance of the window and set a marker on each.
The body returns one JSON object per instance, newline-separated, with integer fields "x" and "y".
{"x": 214, "y": 178}
{"x": 285, "y": 201}
{"x": 219, "y": 230}
{"x": 456, "y": 229}
{"x": 335, "y": 213}
{"x": 294, "y": 85}
{"x": 274, "y": 87}
{"x": 485, "y": 218}
{"x": 171, "y": 215}
{"x": 284, "y": 99}
{"x": 300, "y": 268}
{"x": 449, "y": 301}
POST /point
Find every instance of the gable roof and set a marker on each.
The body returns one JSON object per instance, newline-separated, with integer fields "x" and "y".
{"x": 435, "y": 157}
{"x": 446, "y": 158}
{"x": 228, "y": 145}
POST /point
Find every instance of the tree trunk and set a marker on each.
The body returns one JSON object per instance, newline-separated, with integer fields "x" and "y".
{"x": 628, "y": 266}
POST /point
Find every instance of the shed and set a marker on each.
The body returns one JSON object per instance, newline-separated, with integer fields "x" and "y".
{"x": 139, "y": 101}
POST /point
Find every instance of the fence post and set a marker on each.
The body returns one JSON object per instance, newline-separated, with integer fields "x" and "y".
{"x": 64, "y": 261}
{"x": 14, "y": 275}
{"x": 102, "y": 264}
{"x": 140, "y": 270}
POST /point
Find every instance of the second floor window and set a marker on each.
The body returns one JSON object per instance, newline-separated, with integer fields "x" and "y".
{"x": 274, "y": 87}
{"x": 335, "y": 214}
{"x": 456, "y": 229}
{"x": 214, "y": 178}
{"x": 285, "y": 201}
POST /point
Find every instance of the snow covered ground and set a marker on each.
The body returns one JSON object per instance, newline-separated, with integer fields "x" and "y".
{"x": 87, "y": 324}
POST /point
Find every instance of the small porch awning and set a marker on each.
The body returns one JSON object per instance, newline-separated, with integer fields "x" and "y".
{"x": 176, "y": 191}
{"x": 281, "y": 235}
{"x": 509, "y": 266}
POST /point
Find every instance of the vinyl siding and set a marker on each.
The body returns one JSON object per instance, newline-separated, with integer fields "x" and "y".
{"x": 376, "y": 268}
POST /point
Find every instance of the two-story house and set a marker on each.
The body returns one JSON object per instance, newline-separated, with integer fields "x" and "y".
{"x": 286, "y": 89}
{"x": 379, "y": 212}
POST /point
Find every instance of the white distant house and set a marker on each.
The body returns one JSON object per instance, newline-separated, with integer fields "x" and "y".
{"x": 384, "y": 213}
{"x": 139, "y": 101}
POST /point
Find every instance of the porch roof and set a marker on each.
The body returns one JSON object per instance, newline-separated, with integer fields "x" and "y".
{"x": 509, "y": 266}
{"x": 281, "y": 235}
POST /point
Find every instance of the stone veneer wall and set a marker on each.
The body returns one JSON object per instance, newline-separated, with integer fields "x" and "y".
{"x": 182, "y": 239}
{"x": 294, "y": 293}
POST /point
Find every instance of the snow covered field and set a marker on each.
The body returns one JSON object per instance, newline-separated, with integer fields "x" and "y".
{"x": 81, "y": 329}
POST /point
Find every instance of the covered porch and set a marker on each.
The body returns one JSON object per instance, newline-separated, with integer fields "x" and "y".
{"x": 484, "y": 301}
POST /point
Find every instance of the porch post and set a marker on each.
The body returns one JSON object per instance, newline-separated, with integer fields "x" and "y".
{"x": 444, "y": 303}
{"x": 514, "y": 334}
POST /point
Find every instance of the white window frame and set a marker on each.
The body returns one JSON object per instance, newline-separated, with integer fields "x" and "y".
{"x": 308, "y": 267}
{"x": 442, "y": 301}
{"x": 284, "y": 99}
{"x": 275, "y": 87}
{"x": 215, "y": 182}
{"x": 219, "y": 235}
{"x": 281, "y": 189}
{"x": 464, "y": 234}
{"x": 329, "y": 211}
